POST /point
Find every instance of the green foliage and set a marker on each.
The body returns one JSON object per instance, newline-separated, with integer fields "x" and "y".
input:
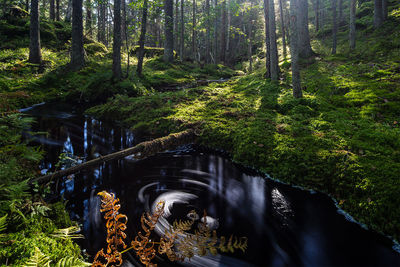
{"x": 38, "y": 259}
{"x": 71, "y": 262}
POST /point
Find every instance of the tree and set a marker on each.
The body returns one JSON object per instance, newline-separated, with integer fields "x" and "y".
{"x": 89, "y": 18}
{"x": 267, "y": 43}
{"x": 216, "y": 30}
{"x": 384, "y": 10}
{"x": 142, "y": 38}
{"x": 317, "y": 12}
{"x": 176, "y": 30}
{"x": 116, "y": 67}
{"x": 305, "y": 50}
{"x": 352, "y": 31}
{"x": 334, "y": 27}
{"x": 378, "y": 13}
{"x": 223, "y": 31}
{"x": 169, "y": 31}
{"x": 182, "y": 41}
{"x": 208, "y": 32}
{"x": 52, "y": 10}
{"x": 68, "y": 13}
{"x": 35, "y": 55}
{"x": 272, "y": 40}
{"x": 282, "y": 28}
{"x": 77, "y": 51}
{"x": 294, "y": 49}
{"x": 57, "y": 10}
{"x": 194, "y": 50}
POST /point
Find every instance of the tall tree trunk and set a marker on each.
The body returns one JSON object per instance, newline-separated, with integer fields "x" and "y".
{"x": 88, "y": 18}
{"x": 223, "y": 32}
{"x": 250, "y": 47}
{"x": 228, "y": 34}
{"x": 116, "y": 66}
{"x": 58, "y": 10}
{"x": 267, "y": 42}
{"x": 142, "y": 38}
{"x": 77, "y": 52}
{"x": 340, "y": 19}
{"x": 194, "y": 50}
{"x": 208, "y": 32}
{"x": 294, "y": 49}
{"x": 69, "y": 11}
{"x": 384, "y": 10}
{"x": 182, "y": 42}
{"x": 123, "y": 21}
{"x": 169, "y": 31}
{"x": 272, "y": 40}
{"x": 52, "y": 10}
{"x": 335, "y": 27}
{"x": 176, "y": 26}
{"x": 305, "y": 50}
{"x": 216, "y": 32}
{"x": 378, "y": 13}
{"x": 283, "y": 29}
{"x": 35, "y": 55}
{"x": 317, "y": 12}
{"x": 352, "y": 31}
{"x": 101, "y": 31}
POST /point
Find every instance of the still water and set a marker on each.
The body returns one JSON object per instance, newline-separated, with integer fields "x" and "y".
{"x": 285, "y": 226}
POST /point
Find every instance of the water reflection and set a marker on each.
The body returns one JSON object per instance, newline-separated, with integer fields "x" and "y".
{"x": 285, "y": 226}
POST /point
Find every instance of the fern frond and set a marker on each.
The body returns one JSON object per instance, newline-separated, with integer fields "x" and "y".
{"x": 72, "y": 262}
{"x": 68, "y": 233}
{"x": 37, "y": 259}
{"x": 3, "y": 225}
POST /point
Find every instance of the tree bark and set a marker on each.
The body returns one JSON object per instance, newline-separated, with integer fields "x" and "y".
{"x": 283, "y": 29}
{"x": 294, "y": 51}
{"x": 208, "y": 33}
{"x": 89, "y": 18}
{"x": 52, "y": 10}
{"x": 250, "y": 47}
{"x": 317, "y": 12}
{"x": 352, "y": 31}
{"x": 272, "y": 40}
{"x": 305, "y": 50}
{"x": 384, "y": 10}
{"x": 35, "y": 55}
{"x": 69, "y": 11}
{"x": 57, "y": 10}
{"x": 77, "y": 52}
{"x": 223, "y": 32}
{"x": 145, "y": 149}
{"x": 340, "y": 19}
{"x": 123, "y": 21}
{"x": 378, "y": 13}
{"x": 182, "y": 33}
{"x": 216, "y": 57}
{"x": 267, "y": 42}
{"x": 334, "y": 27}
{"x": 176, "y": 27}
{"x": 194, "y": 50}
{"x": 169, "y": 31}
{"x": 142, "y": 38}
{"x": 116, "y": 67}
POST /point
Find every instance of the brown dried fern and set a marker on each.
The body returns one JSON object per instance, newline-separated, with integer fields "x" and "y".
{"x": 116, "y": 225}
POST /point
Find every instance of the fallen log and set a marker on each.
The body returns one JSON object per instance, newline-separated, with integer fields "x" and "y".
{"x": 143, "y": 149}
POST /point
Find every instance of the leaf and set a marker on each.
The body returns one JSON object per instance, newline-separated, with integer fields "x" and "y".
{"x": 71, "y": 262}
{"x": 68, "y": 233}
{"x": 37, "y": 259}
{"x": 3, "y": 225}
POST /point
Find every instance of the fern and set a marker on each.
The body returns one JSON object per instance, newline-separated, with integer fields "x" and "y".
{"x": 37, "y": 259}
{"x": 71, "y": 262}
{"x": 3, "y": 225}
{"x": 68, "y": 233}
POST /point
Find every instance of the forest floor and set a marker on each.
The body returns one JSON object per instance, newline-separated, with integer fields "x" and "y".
{"x": 342, "y": 137}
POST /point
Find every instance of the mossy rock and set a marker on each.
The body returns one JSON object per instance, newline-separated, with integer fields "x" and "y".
{"x": 95, "y": 49}
{"x": 15, "y": 12}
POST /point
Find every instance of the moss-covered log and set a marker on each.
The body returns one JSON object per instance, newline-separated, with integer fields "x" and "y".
{"x": 141, "y": 150}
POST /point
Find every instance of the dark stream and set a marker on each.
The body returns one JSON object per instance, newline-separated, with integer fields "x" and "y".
{"x": 285, "y": 226}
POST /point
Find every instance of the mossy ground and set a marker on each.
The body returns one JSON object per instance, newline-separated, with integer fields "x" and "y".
{"x": 342, "y": 137}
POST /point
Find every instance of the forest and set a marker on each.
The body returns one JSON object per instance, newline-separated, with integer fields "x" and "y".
{"x": 199, "y": 133}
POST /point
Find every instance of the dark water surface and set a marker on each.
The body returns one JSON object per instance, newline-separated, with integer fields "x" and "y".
{"x": 285, "y": 226}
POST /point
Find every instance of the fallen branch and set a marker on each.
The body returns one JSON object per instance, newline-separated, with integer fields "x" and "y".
{"x": 142, "y": 150}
